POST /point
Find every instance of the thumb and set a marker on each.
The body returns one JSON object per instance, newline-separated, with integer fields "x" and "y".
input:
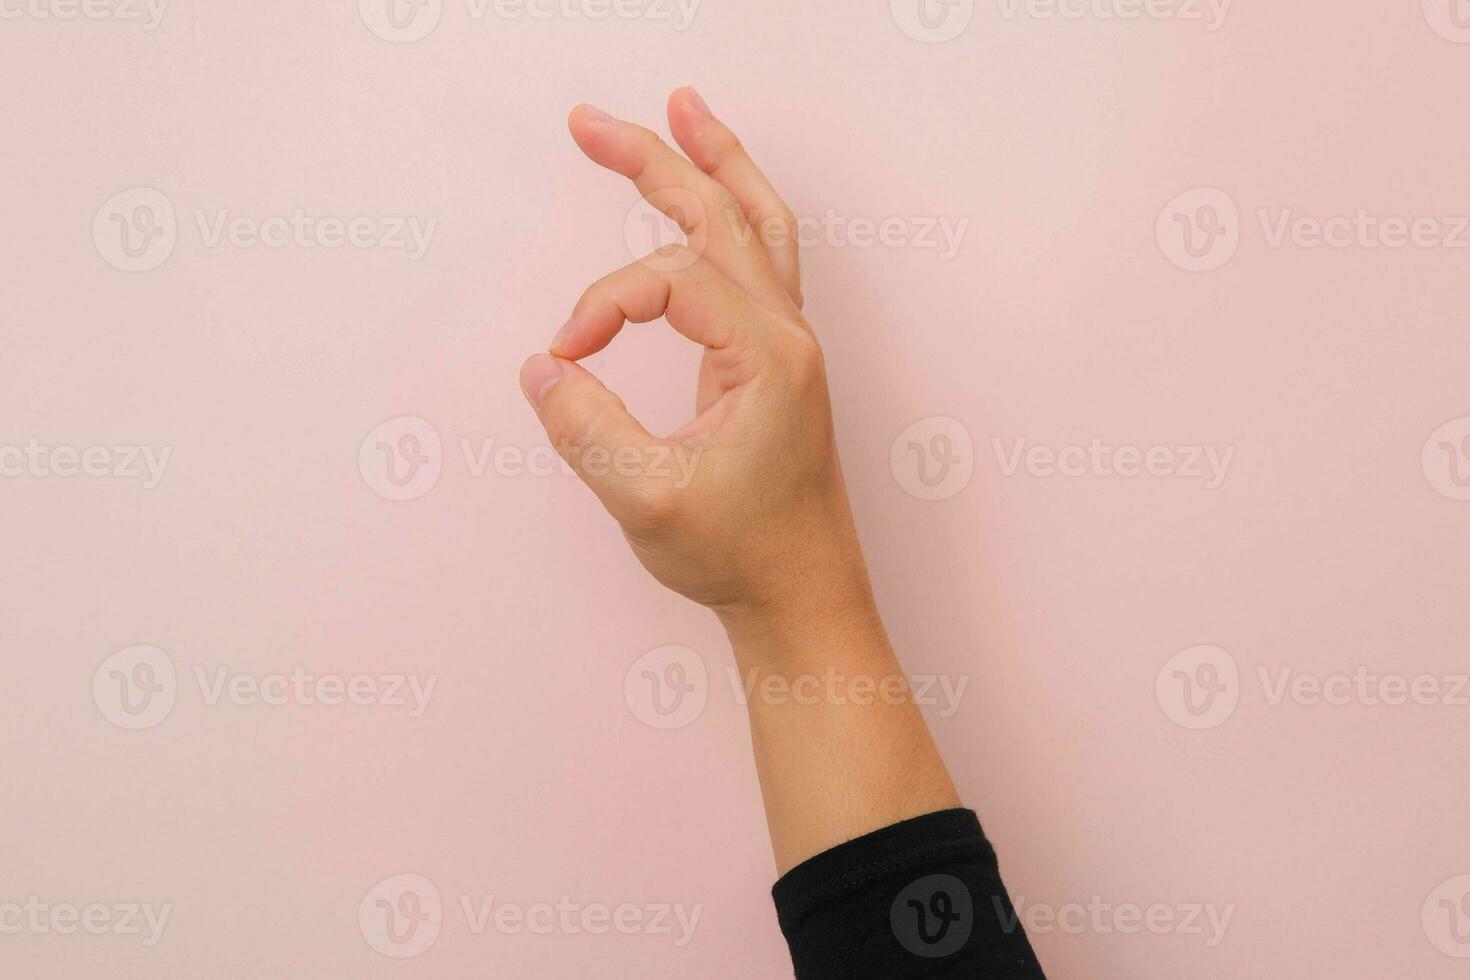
{"x": 591, "y": 429}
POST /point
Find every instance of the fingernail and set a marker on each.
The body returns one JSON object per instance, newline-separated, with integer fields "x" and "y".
{"x": 538, "y": 375}
{"x": 561, "y": 336}
{"x": 697, "y": 100}
{"x": 595, "y": 114}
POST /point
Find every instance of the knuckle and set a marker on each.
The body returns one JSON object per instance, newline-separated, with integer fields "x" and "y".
{"x": 776, "y": 226}
{"x": 784, "y": 215}
{"x": 578, "y": 429}
{"x": 728, "y": 207}
{"x": 802, "y": 359}
{"x": 651, "y": 147}
{"x": 724, "y": 146}
{"x": 647, "y": 137}
{"x": 652, "y": 506}
{"x": 596, "y": 422}
{"x": 564, "y": 440}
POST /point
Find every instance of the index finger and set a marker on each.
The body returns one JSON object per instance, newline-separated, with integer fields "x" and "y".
{"x": 694, "y": 297}
{"x": 717, "y": 225}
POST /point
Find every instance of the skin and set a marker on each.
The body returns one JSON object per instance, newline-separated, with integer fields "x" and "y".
{"x": 761, "y": 532}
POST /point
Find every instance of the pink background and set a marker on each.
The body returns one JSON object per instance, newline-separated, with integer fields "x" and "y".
{"x": 1061, "y": 319}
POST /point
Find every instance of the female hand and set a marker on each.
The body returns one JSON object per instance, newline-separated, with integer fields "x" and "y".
{"x": 743, "y": 509}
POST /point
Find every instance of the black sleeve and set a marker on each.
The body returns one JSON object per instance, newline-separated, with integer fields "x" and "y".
{"x": 922, "y": 898}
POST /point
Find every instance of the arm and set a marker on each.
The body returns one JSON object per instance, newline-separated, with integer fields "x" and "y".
{"x": 851, "y": 752}
{"x": 761, "y": 532}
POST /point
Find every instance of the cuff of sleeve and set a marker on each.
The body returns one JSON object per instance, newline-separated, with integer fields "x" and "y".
{"x": 941, "y": 837}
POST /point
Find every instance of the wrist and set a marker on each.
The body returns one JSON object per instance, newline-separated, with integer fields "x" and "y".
{"x": 810, "y": 622}
{"x": 805, "y": 593}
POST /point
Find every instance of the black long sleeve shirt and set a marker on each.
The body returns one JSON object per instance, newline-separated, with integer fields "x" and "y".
{"x": 922, "y": 898}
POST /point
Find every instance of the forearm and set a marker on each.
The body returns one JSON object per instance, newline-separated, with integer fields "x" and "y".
{"x": 840, "y": 747}
{"x": 882, "y": 873}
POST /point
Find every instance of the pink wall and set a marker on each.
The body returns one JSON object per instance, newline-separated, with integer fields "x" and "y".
{"x": 1330, "y": 540}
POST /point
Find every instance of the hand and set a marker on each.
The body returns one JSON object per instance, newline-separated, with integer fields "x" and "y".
{"x": 743, "y": 509}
